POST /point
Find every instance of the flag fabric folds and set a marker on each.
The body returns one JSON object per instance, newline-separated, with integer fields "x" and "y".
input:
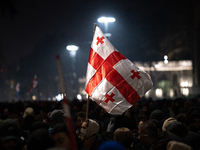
{"x": 113, "y": 81}
{"x": 33, "y": 85}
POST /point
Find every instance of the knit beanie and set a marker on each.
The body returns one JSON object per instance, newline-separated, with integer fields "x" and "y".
{"x": 167, "y": 122}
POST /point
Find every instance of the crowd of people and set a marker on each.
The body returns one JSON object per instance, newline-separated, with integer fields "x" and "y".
{"x": 148, "y": 125}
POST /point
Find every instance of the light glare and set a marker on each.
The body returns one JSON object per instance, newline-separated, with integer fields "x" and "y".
{"x": 72, "y": 48}
{"x": 159, "y": 92}
{"x": 106, "y": 19}
{"x": 166, "y": 61}
{"x": 33, "y": 97}
{"x": 165, "y": 57}
{"x": 79, "y": 97}
{"x": 185, "y": 91}
{"x": 184, "y": 84}
{"x": 59, "y": 97}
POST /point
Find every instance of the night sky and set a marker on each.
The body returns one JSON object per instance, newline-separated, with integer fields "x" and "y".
{"x": 137, "y": 23}
{"x": 39, "y": 28}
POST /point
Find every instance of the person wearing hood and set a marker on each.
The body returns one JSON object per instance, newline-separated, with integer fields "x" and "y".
{"x": 89, "y": 133}
{"x": 174, "y": 145}
{"x": 180, "y": 133}
{"x": 29, "y": 111}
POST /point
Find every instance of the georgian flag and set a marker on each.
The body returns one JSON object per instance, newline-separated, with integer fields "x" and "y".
{"x": 17, "y": 88}
{"x": 113, "y": 81}
{"x": 33, "y": 85}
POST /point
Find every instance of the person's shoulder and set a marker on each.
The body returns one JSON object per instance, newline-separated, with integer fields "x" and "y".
{"x": 99, "y": 140}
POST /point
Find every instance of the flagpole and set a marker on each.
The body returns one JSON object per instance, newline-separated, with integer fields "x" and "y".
{"x": 95, "y": 25}
{"x": 68, "y": 119}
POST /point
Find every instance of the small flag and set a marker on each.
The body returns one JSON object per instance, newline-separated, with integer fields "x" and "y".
{"x": 33, "y": 85}
{"x": 17, "y": 88}
{"x": 113, "y": 81}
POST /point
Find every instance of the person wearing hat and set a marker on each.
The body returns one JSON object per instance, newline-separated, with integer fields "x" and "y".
{"x": 55, "y": 117}
{"x": 167, "y": 122}
{"x": 89, "y": 133}
{"x": 180, "y": 133}
{"x": 10, "y": 134}
{"x": 28, "y": 111}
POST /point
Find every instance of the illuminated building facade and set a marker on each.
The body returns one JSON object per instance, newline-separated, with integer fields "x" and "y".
{"x": 171, "y": 79}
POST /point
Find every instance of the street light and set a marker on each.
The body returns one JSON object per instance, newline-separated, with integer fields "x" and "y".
{"x": 166, "y": 59}
{"x": 72, "y": 51}
{"x": 106, "y": 20}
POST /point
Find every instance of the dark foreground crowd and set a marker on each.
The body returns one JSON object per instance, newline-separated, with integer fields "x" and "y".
{"x": 148, "y": 125}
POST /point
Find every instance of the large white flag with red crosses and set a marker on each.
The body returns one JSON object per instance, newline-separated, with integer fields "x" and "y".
{"x": 113, "y": 81}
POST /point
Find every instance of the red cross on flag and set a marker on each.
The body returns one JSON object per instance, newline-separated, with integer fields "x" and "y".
{"x": 113, "y": 81}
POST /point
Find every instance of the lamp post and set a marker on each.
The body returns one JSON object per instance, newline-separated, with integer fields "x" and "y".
{"x": 106, "y": 20}
{"x": 72, "y": 51}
